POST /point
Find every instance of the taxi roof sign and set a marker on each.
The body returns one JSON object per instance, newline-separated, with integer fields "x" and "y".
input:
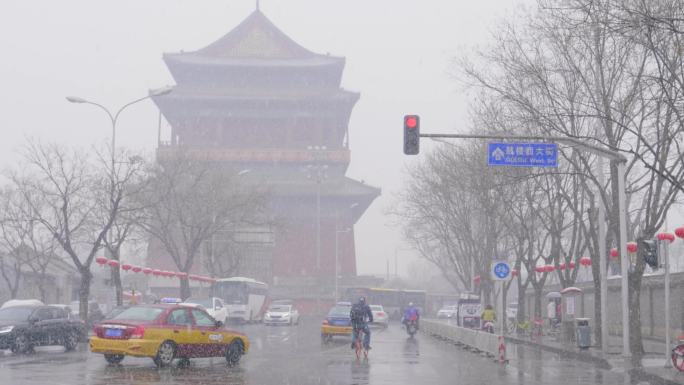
{"x": 170, "y": 300}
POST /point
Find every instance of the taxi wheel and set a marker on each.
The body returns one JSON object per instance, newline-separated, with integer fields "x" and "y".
{"x": 114, "y": 358}
{"x": 234, "y": 352}
{"x": 166, "y": 354}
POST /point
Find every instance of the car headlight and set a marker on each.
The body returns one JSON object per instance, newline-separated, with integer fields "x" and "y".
{"x": 6, "y": 329}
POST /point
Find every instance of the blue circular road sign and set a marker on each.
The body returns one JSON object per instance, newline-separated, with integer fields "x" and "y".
{"x": 502, "y": 270}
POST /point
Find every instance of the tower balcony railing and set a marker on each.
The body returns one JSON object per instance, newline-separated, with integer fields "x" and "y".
{"x": 167, "y": 151}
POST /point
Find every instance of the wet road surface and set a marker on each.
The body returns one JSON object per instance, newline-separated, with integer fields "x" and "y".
{"x": 295, "y": 355}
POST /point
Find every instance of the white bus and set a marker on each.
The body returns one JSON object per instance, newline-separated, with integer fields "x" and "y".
{"x": 244, "y": 298}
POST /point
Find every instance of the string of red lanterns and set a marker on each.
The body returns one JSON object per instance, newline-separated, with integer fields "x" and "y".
{"x": 114, "y": 264}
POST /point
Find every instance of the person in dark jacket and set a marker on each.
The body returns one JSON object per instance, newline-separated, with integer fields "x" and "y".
{"x": 361, "y": 315}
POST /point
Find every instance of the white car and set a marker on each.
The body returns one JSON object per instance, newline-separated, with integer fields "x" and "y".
{"x": 380, "y": 317}
{"x": 213, "y": 305}
{"x": 22, "y": 302}
{"x": 447, "y": 312}
{"x": 281, "y": 314}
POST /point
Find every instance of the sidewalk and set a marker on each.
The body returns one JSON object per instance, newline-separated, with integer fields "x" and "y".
{"x": 652, "y": 365}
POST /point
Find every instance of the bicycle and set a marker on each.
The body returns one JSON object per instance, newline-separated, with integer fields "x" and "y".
{"x": 359, "y": 344}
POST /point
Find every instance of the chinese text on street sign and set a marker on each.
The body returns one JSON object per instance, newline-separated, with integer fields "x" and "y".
{"x": 501, "y": 270}
{"x": 522, "y": 154}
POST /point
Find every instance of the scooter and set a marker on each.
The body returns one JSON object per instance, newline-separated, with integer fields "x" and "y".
{"x": 412, "y": 326}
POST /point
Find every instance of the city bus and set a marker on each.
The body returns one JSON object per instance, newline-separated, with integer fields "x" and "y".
{"x": 392, "y": 300}
{"x": 246, "y": 299}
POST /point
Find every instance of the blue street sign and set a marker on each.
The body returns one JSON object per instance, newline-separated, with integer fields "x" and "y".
{"x": 522, "y": 154}
{"x": 501, "y": 270}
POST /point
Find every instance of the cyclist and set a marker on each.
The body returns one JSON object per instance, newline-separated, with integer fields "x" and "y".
{"x": 360, "y": 315}
{"x": 488, "y": 317}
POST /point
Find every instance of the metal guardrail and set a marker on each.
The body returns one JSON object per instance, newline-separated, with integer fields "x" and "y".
{"x": 475, "y": 339}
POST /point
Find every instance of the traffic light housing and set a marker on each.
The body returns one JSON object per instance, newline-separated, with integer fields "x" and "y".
{"x": 650, "y": 252}
{"x": 411, "y": 134}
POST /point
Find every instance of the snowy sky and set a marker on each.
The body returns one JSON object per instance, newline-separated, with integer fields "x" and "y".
{"x": 399, "y": 56}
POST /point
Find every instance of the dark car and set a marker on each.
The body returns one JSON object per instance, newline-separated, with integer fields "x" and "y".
{"x": 23, "y": 327}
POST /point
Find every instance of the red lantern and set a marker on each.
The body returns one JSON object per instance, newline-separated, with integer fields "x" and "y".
{"x": 679, "y": 231}
{"x": 666, "y": 237}
{"x": 113, "y": 263}
{"x": 539, "y": 269}
{"x": 631, "y": 247}
{"x": 476, "y": 279}
{"x": 169, "y": 274}
{"x": 614, "y": 252}
{"x": 147, "y": 271}
{"x": 156, "y": 272}
{"x": 181, "y": 274}
{"x": 585, "y": 261}
{"x": 136, "y": 269}
{"x": 126, "y": 267}
{"x": 101, "y": 260}
{"x": 561, "y": 266}
{"x": 514, "y": 272}
{"x": 572, "y": 265}
{"x": 549, "y": 268}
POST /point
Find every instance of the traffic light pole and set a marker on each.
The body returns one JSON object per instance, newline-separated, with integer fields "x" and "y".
{"x": 604, "y": 153}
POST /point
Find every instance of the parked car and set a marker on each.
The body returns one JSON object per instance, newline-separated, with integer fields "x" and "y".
{"x": 165, "y": 332}
{"x": 95, "y": 313}
{"x": 448, "y": 312}
{"x": 281, "y": 315}
{"x": 336, "y": 323}
{"x": 380, "y": 317}
{"x": 22, "y": 302}
{"x": 213, "y": 305}
{"x": 24, "y": 327}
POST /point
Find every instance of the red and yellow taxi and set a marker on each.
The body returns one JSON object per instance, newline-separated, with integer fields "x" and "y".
{"x": 165, "y": 332}
{"x": 337, "y": 322}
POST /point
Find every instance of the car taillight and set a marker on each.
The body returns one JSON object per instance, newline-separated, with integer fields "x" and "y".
{"x": 138, "y": 332}
{"x": 381, "y": 314}
{"x": 98, "y": 330}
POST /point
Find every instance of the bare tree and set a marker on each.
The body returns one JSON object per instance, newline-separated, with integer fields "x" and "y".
{"x": 24, "y": 239}
{"x": 188, "y": 201}
{"x": 65, "y": 190}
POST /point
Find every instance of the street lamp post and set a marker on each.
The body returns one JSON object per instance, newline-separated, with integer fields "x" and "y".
{"x": 113, "y": 119}
{"x": 317, "y": 172}
{"x": 337, "y": 263}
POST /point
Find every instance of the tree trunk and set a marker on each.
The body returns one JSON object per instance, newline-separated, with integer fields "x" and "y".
{"x": 636, "y": 345}
{"x": 185, "y": 292}
{"x": 538, "y": 301}
{"x": 41, "y": 288}
{"x": 520, "y": 318}
{"x": 116, "y": 279}
{"x": 84, "y": 293}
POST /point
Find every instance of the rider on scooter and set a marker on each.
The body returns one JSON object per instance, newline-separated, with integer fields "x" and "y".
{"x": 411, "y": 313}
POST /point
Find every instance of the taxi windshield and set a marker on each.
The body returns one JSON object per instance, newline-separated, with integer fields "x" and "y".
{"x": 140, "y": 313}
{"x": 340, "y": 311}
{"x": 205, "y": 302}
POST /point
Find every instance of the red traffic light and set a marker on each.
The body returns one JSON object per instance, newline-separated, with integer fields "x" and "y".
{"x": 411, "y": 122}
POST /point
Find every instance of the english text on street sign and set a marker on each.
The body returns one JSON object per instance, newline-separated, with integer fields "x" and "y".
{"x": 522, "y": 154}
{"x": 501, "y": 270}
